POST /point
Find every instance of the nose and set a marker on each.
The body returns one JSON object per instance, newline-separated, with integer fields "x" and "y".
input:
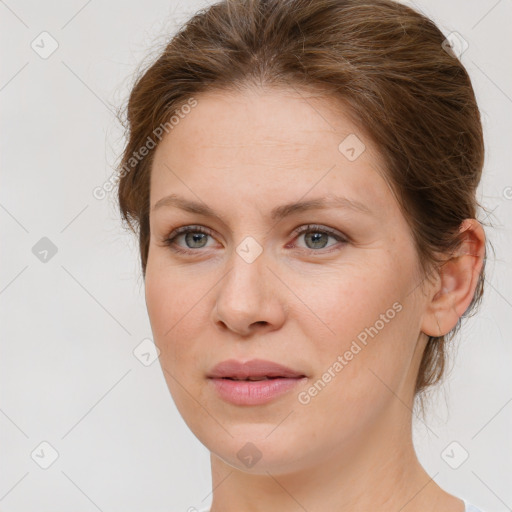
{"x": 248, "y": 298}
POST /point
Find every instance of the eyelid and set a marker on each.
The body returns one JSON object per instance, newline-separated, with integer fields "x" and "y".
{"x": 304, "y": 228}
{"x": 194, "y": 228}
{"x": 317, "y": 227}
{"x": 187, "y": 228}
{"x": 340, "y": 238}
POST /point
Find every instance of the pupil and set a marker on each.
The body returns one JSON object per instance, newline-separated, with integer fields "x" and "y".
{"x": 195, "y": 238}
{"x": 315, "y": 238}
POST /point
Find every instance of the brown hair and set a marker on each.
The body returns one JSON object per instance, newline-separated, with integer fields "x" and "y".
{"x": 388, "y": 65}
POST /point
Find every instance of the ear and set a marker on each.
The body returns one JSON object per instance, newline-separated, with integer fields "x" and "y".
{"x": 458, "y": 278}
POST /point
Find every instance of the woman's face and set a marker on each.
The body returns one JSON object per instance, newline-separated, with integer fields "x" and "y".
{"x": 338, "y": 302}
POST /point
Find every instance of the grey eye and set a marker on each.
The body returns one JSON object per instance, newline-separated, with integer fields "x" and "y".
{"x": 195, "y": 238}
{"x": 318, "y": 239}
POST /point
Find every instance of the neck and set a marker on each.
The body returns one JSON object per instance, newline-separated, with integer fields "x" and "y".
{"x": 376, "y": 470}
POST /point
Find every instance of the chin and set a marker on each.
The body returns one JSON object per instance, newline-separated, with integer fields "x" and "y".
{"x": 254, "y": 448}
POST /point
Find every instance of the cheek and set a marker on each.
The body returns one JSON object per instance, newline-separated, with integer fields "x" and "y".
{"x": 160, "y": 304}
{"x": 171, "y": 315}
{"x": 170, "y": 295}
{"x": 169, "y": 309}
{"x": 179, "y": 307}
{"x": 359, "y": 371}
{"x": 367, "y": 323}
{"x": 350, "y": 298}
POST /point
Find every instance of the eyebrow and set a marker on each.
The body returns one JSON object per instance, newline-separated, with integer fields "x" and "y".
{"x": 278, "y": 213}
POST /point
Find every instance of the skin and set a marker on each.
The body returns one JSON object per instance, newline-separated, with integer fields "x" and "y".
{"x": 300, "y": 304}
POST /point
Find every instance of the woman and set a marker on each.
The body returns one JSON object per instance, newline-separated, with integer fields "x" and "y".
{"x": 302, "y": 178}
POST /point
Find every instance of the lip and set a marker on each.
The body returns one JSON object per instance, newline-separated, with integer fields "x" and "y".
{"x": 246, "y": 392}
{"x": 253, "y": 368}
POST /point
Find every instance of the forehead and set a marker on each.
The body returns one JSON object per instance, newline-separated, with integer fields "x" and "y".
{"x": 291, "y": 121}
{"x": 272, "y": 140}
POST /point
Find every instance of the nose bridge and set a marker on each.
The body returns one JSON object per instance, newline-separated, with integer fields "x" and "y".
{"x": 246, "y": 295}
{"x": 247, "y": 280}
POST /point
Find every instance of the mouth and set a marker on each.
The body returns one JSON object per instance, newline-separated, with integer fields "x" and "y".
{"x": 256, "y": 369}
{"x": 259, "y": 378}
{"x": 255, "y": 382}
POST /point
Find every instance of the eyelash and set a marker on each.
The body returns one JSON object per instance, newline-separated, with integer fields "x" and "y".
{"x": 170, "y": 239}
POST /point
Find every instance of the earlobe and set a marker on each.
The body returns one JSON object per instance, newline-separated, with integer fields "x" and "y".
{"x": 458, "y": 278}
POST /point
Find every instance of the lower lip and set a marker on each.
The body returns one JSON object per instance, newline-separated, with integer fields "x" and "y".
{"x": 256, "y": 392}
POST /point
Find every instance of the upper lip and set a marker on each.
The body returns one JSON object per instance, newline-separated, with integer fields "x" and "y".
{"x": 254, "y": 368}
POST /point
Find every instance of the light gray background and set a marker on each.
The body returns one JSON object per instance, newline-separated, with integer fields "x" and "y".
{"x": 69, "y": 326}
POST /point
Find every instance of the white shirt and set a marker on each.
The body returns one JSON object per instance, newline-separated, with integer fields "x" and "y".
{"x": 470, "y": 507}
